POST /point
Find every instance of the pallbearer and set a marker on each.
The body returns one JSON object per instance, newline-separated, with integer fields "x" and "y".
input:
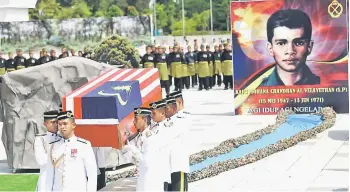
{"x": 203, "y": 69}
{"x": 158, "y": 115}
{"x": 142, "y": 122}
{"x": 227, "y": 66}
{"x": 148, "y": 59}
{"x": 179, "y": 158}
{"x": 217, "y": 66}
{"x": 161, "y": 63}
{"x": 211, "y": 67}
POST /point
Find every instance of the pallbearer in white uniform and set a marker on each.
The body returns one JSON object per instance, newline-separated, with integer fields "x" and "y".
{"x": 179, "y": 159}
{"x": 142, "y": 123}
{"x": 179, "y": 105}
{"x": 41, "y": 147}
{"x": 72, "y": 160}
{"x": 133, "y": 150}
{"x": 161, "y": 128}
{"x": 158, "y": 115}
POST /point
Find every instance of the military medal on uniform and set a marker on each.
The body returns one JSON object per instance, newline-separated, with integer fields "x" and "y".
{"x": 73, "y": 153}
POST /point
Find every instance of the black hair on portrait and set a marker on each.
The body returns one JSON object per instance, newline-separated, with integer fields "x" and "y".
{"x": 291, "y": 18}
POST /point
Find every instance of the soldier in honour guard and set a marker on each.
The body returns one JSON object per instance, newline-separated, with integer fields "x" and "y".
{"x": 44, "y": 58}
{"x": 217, "y": 66}
{"x": 176, "y": 59}
{"x": 203, "y": 69}
{"x": 20, "y": 61}
{"x": 72, "y": 160}
{"x": 2, "y": 64}
{"x": 211, "y": 67}
{"x": 162, "y": 66}
{"x": 53, "y": 55}
{"x": 148, "y": 59}
{"x": 185, "y": 74}
{"x": 41, "y": 147}
{"x": 31, "y": 61}
{"x": 169, "y": 65}
{"x": 190, "y": 60}
{"x": 227, "y": 66}
{"x": 10, "y": 63}
{"x": 195, "y": 64}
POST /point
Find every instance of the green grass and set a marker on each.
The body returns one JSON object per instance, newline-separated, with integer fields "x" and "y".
{"x": 18, "y": 182}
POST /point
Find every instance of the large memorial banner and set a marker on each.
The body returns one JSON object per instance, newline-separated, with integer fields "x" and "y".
{"x": 290, "y": 54}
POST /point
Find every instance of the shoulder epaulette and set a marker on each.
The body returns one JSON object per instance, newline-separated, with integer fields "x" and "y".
{"x": 133, "y": 136}
{"x": 187, "y": 112}
{"x": 82, "y": 140}
{"x": 54, "y": 141}
{"x": 38, "y": 135}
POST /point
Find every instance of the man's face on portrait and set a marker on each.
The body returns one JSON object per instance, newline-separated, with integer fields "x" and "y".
{"x": 289, "y": 48}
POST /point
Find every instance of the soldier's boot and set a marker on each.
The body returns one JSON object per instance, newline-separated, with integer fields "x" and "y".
{"x": 200, "y": 84}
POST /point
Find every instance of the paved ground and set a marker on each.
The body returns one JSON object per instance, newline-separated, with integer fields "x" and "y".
{"x": 319, "y": 164}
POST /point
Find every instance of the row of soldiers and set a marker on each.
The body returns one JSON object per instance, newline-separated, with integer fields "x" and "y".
{"x": 159, "y": 148}
{"x": 201, "y": 66}
{"x": 20, "y": 62}
{"x": 69, "y": 163}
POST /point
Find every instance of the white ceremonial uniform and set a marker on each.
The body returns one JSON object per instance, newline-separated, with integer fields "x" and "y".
{"x": 100, "y": 158}
{"x": 179, "y": 154}
{"x": 141, "y": 137}
{"x": 158, "y": 126}
{"x": 154, "y": 167}
{"x": 41, "y": 150}
{"x": 73, "y": 165}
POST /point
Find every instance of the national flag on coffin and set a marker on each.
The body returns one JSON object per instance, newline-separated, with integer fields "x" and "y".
{"x": 104, "y": 107}
{"x": 111, "y": 100}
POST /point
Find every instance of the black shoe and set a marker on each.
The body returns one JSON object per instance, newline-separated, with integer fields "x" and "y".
{"x": 207, "y": 89}
{"x": 200, "y": 89}
{"x": 225, "y": 88}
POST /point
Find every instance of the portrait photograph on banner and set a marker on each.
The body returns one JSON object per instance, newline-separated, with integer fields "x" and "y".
{"x": 290, "y": 54}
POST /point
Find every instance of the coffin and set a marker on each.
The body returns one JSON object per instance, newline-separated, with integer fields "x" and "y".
{"x": 104, "y": 106}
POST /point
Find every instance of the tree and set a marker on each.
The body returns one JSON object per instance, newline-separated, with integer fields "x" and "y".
{"x": 162, "y": 19}
{"x": 132, "y": 11}
{"x": 114, "y": 11}
{"x": 46, "y": 9}
{"x": 117, "y": 50}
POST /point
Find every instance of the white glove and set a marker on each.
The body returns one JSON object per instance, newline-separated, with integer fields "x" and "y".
{"x": 132, "y": 154}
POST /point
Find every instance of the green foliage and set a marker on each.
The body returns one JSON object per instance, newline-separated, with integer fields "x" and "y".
{"x": 169, "y": 13}
{"x": 132, "y": 11}
{"x": 162, "y": 19}
{"x": 119, "y": 51}
{"x": 114, "y": 11}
